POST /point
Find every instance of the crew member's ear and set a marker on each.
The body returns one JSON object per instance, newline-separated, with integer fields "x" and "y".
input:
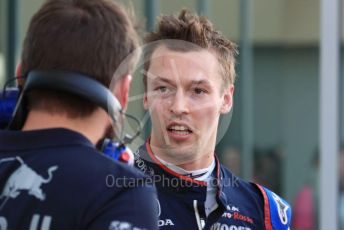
{"x": 121, "y": 90}
{"x": 227, "y": 102}
{"x": 19, "y": 74}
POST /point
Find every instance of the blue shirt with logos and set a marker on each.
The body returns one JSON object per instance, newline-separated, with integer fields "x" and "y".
{"x": 56, "y": 179}
{"x": 240, "y": 205}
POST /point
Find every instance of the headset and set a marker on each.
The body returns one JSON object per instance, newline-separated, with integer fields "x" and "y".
{"x": 13, "y": 105}
{"x": 8, "y": 101}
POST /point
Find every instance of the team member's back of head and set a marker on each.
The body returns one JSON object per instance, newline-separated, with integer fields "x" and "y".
{"x": 90, "y": 37}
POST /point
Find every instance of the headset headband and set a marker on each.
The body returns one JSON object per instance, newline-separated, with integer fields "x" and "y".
{"x": 71, "y": 82}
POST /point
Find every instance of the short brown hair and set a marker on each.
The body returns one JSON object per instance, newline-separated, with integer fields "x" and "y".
{"x": 87, "y": 36}
{"x": 195, "y": 29}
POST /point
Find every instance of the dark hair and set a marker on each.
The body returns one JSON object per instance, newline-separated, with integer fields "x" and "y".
{"x": 87, "y": 36}
{"x": 197, "y": 30}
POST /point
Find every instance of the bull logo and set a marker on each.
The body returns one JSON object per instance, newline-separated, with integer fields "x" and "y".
{"x": 25, "y": 178}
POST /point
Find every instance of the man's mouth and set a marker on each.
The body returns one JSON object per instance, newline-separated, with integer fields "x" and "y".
{"x": 179, "y": 129}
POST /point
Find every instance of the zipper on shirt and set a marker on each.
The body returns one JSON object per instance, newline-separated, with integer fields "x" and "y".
{"x": 198, "y": 218}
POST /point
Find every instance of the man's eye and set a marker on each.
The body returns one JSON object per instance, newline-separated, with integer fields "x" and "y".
{"x": 161, "y": 89}
{"x": 199, "y": 91}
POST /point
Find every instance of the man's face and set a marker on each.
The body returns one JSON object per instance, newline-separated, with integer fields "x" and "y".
{"x": 185, "y": 96}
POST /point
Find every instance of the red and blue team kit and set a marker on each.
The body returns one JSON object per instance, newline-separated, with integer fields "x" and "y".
{"x": 241, "y": 205}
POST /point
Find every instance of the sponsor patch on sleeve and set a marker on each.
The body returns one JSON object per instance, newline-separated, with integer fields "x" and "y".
{"x": 280, "y": 211}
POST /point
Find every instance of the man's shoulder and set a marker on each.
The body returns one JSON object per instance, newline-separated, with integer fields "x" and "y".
{"x": 275, "y": 210}
{"x": 93, "y": 161}
{"x": 73, "y": 155}
{"x": 279, "y": 209}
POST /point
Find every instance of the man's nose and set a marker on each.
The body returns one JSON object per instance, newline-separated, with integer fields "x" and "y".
{"x": 179, "y": 104}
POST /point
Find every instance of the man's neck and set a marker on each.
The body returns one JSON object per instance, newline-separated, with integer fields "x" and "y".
{"x": 198, "y": 174}
{"x": 90, "y": 126}
{"x": 196, "y": 164}
{"x": 193, "y": 163}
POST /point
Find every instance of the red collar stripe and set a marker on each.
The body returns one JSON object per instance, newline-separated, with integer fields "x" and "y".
{"x": 267, "y": 219}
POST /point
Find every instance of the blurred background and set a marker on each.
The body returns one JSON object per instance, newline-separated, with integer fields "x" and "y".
{"x": 274, "y": 136}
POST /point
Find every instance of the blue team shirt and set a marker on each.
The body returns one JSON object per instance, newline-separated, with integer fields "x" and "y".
{"x": 241, "y": 205}
{"x": 56, "y": 179}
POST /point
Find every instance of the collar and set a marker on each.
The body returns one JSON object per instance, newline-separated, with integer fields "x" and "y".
{"x": 11, "y": 140}
{"x": 223, "y": 179}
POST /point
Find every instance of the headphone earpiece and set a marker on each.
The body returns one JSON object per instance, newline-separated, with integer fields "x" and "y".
{"x": 8, "y": 101}
{"x": 117, "y": 151}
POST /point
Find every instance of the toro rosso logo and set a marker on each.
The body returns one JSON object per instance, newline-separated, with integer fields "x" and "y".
{"x": 233, "y": 212}
{"x": 25, "y": 178}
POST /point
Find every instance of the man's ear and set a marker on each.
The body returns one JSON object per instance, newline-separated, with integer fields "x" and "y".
{"x": 121, "y": 90}
{"x": 227, "y": 102}
{"x": 19, "y": 74}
